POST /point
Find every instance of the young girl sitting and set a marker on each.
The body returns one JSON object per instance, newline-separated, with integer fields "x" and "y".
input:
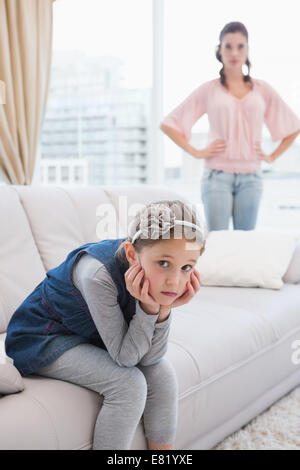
{"x": 101, "y": 320}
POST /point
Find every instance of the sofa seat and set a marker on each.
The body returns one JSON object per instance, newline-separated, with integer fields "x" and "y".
{"x": 238, "y": 361}
{"x": 231, "y": 348}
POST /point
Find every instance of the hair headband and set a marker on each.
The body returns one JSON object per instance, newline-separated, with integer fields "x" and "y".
{"x": 176, "y": 222}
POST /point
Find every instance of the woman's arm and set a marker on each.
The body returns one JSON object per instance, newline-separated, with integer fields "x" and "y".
{"x": 212, "y": 150}
{"x": 179, "y": 122}
{"x": 286, "y": 142}
{"x": 282, "y": 122}
{"x": 180, "y": 140}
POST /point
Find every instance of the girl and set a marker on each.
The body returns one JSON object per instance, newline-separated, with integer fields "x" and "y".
{"x": 237, "y": 106}
{"x": 101, "y": 320}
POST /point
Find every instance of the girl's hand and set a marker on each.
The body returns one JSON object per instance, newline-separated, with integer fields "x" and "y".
{"x": 133, "y": 278}
{"x": 193, "y": 285}
{"x": 261, "y": 154}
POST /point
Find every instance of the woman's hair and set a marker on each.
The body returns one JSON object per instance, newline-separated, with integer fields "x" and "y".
{"x": 155, "y": 222}
{"x": 233, "y": 27}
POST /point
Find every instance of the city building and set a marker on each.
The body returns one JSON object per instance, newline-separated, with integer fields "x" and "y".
{"x": 93, "y": 125}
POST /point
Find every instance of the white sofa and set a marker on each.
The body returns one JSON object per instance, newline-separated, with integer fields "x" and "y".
{"x": 231, "y": 346}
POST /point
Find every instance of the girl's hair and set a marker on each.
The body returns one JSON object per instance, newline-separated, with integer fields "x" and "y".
{"x": 233, "y": 27}
{"x": 155, "y": 221}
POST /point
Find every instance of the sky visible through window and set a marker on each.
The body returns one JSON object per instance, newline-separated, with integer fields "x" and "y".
{"x": 116, "y": 28}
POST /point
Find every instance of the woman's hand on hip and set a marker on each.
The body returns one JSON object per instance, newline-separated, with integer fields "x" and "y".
{"x": 212, "y": 150}
{"x": 261, "y": 154}
{"x": 133, "y": 279}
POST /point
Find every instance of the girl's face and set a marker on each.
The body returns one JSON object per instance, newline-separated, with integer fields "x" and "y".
{"x": 234, "y": 50}
{"x": 168, "y": 265}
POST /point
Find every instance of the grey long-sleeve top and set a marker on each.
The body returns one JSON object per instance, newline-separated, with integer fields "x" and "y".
{"x": 143, "y": 341}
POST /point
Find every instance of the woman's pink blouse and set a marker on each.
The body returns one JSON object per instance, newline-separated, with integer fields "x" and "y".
{"x": 237, "y": 121}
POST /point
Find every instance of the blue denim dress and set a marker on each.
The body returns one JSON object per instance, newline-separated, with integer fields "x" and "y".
{"x": 55, "y": 316}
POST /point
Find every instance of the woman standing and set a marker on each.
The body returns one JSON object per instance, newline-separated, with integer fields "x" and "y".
{"x": 237, "y": 105}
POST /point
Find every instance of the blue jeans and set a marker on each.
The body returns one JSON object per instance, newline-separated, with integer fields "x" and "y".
{"x": 225, "y": 194}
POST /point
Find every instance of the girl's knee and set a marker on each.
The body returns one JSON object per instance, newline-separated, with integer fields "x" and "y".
{"x": 128, "y": 389}
{"x": 133, "y": 383}
{"x": 136, "y": 379}
{"x": 163, "y": 375}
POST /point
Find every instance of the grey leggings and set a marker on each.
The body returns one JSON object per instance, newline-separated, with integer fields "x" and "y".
{"x": 129, "y": 393}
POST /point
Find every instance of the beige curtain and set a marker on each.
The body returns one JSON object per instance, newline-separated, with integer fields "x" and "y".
{"x": 25, "y": 60}
{"x": 2, "y": 92}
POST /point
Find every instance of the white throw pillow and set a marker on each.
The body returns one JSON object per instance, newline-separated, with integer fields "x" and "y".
{"x": 246, "y": 258}
{"x": 11, "y": 380}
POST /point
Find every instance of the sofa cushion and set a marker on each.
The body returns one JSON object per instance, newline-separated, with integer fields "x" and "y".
{"x": 54, "y": 222}
{"x": 48, "y": 414}
{"x": 63, "y": 218}
{"x": 127, "y": 201}
{"x": 93, "y": 207}
{"x": 21, "y": 268}
{"x": 232, "y": 324}
{"x": 246, "y": 258}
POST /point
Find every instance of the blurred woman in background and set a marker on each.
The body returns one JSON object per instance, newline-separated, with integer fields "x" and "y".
{"x": 237, "y": 106}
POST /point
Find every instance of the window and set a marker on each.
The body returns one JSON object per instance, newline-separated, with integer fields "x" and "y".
{"x": 51, "y": 173}
{"x": 101, "y": 79}
{"x": 78, "y": 173}
{"x": 64, "y": 173}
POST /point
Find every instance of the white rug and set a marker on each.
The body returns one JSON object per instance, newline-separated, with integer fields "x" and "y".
{"x": 277, "y": 428}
